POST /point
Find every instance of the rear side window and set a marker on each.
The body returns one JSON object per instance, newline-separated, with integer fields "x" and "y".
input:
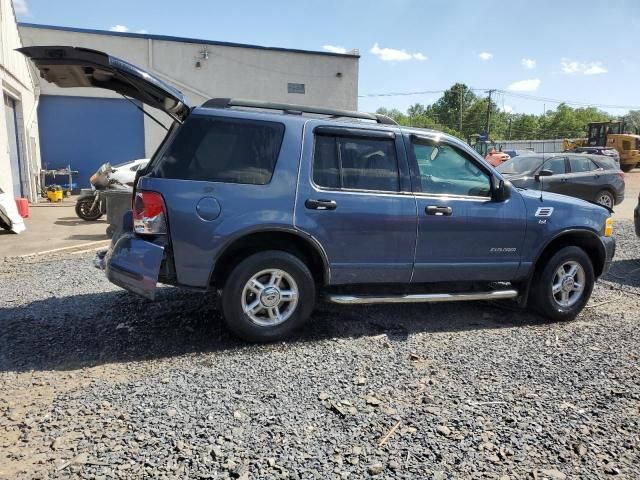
{"x": 356, "y": 163}
{"x": 223, "y": 150}
{"x": 581, "y": 164}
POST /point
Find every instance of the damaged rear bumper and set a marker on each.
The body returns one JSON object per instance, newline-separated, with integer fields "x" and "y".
{"x": 132, "y": 263}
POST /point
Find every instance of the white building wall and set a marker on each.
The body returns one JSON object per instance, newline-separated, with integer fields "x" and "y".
{"x": 229, "y": 71}
{"x": 18, "y": 82}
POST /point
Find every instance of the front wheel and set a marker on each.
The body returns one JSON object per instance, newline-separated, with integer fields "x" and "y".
{"x": 268, "y": 296}
{"x": 84, "y": 210}
{"x": 562, "y": 287}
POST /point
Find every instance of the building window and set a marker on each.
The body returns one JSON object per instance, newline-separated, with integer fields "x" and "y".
{"x": 295, "y": 88}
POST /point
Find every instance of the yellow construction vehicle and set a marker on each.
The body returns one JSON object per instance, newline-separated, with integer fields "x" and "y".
{"x": 610, "y": 135}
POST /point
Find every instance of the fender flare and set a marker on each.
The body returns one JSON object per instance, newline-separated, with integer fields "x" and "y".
{"x": 304, "y": 236}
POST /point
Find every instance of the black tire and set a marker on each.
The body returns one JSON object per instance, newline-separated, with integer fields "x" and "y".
{"x": 542, "y": 298}
{"x": 605, "y": 196}
{"x": 234, "y": 294}
{"x": 627, "y": 168}
{"x": 84, "y": 211}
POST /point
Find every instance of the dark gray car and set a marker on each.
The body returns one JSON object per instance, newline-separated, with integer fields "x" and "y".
{"x": 595, "y": 178}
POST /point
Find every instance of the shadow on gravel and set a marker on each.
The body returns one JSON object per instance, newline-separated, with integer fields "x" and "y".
{"x": 624, "y": 272}
{"x": 92, "y": 329}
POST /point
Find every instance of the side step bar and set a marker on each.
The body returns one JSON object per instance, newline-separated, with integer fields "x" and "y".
{"x": 424, "y": 297}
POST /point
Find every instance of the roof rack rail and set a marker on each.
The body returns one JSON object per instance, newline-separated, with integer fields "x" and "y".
{"x": 296, "y": 109}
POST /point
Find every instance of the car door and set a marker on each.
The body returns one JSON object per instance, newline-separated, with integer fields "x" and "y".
{"x": 557, "y": 182}
{"x": 583, "y": 177}
{"x": 354, "y": 198}
{"x": 463, "y": 234}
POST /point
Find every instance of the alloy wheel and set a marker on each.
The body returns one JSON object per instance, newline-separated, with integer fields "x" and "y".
{"x": 270, "y": 297}
{"x": 568, "y": 284}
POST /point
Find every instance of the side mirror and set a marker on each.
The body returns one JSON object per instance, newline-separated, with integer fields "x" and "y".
{"x": 543, "y": 173}
{"x": 502, "y": 191}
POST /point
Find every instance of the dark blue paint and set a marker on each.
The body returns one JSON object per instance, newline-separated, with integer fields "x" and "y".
{"x": 86, "y": 132}
{"x": 369, "y": 237}
{"x": 133, "y": 264}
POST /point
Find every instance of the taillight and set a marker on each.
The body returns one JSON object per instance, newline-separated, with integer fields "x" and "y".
{"x": 149, "y": 213}
{"x": 621, "y": 173}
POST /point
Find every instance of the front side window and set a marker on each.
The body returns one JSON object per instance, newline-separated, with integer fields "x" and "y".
{"x": 443, "y": 169}
{"x": 555, "y": 165}
{"x": 355, "y": 163}
{"x": 223, "y": 150}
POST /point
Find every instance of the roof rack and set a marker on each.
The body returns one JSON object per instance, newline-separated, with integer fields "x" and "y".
{"x": 296, "y": 109}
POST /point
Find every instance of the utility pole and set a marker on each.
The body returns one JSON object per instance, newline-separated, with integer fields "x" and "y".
{"x": 510, "y": 128}
{"x": 489, "y": 113}
{"x": 461, "y": 100}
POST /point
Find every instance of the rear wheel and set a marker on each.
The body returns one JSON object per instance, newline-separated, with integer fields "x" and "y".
{"x": 268, "y": 296}
{"x": 605, "y": 198}
{"x": 562, "y": 287}
{"x": 627, "y": 168}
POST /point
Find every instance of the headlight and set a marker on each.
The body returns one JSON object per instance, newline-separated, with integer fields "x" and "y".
{"x": 608, "y": 227}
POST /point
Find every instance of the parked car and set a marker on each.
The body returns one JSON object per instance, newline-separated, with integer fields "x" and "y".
{"x": 594, "y": 178}
{"x": 519, "y": 153}
{"x": 125, "y": 173}
{"x": 606, "y": 151}
{"x": 272, "y": 205}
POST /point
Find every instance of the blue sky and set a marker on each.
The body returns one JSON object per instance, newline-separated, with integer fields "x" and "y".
{"x": 582, "y": 50}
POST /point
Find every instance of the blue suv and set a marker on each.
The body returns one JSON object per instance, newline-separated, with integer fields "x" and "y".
{"x": 275, "y": 205}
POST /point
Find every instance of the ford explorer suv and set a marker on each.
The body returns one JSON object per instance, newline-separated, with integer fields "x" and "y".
{"x": 275, "y": 206}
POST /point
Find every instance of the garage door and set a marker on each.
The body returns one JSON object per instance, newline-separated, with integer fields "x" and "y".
{"x": 87, "y": 132}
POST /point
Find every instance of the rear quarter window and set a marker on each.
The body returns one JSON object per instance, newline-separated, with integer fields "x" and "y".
{"x": 216, "y": 149}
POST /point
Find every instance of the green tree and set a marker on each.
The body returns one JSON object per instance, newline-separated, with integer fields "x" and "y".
{"x": 445, "y": 114}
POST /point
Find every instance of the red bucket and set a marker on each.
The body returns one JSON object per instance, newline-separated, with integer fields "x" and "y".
{"x": 23, "y": 207}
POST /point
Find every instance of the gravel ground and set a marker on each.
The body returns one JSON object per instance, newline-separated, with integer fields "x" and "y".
{"x": 97, "y": 383}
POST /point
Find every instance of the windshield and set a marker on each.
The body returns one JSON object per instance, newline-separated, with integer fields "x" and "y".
{"x": 520, "y": 165}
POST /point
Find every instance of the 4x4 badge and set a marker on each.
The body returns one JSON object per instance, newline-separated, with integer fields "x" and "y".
{"x": 544, "y": 211}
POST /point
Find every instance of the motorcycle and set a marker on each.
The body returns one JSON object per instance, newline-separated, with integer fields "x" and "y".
{"x": 91, "y": 205}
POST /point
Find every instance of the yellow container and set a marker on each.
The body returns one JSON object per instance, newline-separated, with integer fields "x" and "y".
{"x": 55, "y": 195}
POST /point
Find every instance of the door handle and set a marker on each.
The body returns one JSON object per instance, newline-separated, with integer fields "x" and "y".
{"x": 320, "y": 204}
{"x": 438, "y": 210}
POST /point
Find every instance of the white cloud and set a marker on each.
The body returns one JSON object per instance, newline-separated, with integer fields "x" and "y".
{"x": 21, "y": 7}
{"x": 528, "y": 63}
{"x": 334, "y": 49}
{"x": 587, "y": 68}
{"x": 119, "y": 28}
{"x": 525, "y": 85}
{"x": 595, "y": 68}
{"x": 485, "y": 56}
{"x": 393, "y": 55}
{"x": 506, "y": 109}
{"x": 141, "y": 31}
